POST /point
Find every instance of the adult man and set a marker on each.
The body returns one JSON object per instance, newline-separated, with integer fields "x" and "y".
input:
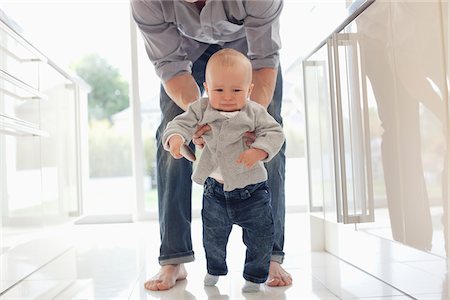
{"x": 180, "y": 36}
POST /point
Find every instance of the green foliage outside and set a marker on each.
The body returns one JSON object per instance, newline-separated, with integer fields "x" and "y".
{"x": 149, "y": 154}
{"x": 109, "y": 93}
{"x": 295, "y": 142}
{"x": 109, "y": 148}
{"x": 109, "y": 152}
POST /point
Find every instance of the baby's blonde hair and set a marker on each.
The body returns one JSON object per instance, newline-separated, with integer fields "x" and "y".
{"x": 228, "y": 57}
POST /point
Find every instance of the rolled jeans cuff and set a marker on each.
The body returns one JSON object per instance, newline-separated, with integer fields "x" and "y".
{"x": 177, "y": 260}
{"x": 279, "y": 258}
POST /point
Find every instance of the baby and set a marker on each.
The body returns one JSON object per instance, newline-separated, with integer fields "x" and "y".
{"x": 233, "y": 173}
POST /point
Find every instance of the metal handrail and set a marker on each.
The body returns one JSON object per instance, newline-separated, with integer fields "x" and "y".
{"x": 355, "y": 9}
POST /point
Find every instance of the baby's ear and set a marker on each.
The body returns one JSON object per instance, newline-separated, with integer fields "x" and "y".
{"x": 206, "y": 87}
{"x": 250, "y": 89}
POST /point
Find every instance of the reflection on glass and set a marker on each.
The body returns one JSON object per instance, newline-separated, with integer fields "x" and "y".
{"x": 404, "y": 67}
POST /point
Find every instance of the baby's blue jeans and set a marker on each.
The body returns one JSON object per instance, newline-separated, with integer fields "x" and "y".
{"x": 248, "y": 208}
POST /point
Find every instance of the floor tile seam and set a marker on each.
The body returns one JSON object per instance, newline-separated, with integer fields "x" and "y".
{"x": 135, "y": 286}
{"x": 67, "y": 288}
{"x": 434, "y": 294}
{"x": 326, "y": 288}
{"x": 373, "y": 276}
{"x": 20, "y": 281}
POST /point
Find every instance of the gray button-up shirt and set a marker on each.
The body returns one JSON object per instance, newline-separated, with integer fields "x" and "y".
{"x": 176, "y": 33}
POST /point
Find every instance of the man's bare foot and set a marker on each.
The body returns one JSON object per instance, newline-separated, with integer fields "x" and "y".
{"x": 278, "y": 276}
{"x": 166, "y": 278}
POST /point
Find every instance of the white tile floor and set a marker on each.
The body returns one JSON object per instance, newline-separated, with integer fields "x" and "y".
{"x": 112, "y": 261}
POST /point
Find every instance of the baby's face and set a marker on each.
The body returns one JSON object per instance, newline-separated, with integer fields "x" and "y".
{"x": 228, "y": 88}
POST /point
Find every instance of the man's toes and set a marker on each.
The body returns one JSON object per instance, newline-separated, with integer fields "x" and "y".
{"x": 288, "y": 280}
{"x": 273, "y": 282}
{"x": 151, "y": 285}
{"x": 163, "y": 286}
{"x": 281, "y": 282}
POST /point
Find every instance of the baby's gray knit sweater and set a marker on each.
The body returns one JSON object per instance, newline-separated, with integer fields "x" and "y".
{"x": 224, "y": 142}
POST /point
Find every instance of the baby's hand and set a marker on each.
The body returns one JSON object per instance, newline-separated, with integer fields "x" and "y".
{"x": 249, "y": 157}
{"x": 175, "y": 143}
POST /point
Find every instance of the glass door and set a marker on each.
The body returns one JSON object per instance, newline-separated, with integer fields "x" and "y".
{"x": 352, "y": 124}
{"x": 320, "y": 143}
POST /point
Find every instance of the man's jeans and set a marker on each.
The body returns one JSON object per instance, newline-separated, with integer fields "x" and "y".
{"x": 175, "y": 185}
{"x": 249, "y": 208}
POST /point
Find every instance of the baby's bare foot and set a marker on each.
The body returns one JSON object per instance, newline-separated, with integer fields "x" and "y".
{"x": 278, "y": 276}
{"x": 166, "y": 278}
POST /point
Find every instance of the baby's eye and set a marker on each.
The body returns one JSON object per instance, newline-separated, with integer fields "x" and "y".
{"x": 219, "y": 90}
{"x": 237, "y": 90}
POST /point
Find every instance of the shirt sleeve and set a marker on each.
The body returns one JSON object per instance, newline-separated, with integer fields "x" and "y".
{"x": 262, "y": 28}
{"x": 269, "y": 134}
{"x": 162, "y": 39}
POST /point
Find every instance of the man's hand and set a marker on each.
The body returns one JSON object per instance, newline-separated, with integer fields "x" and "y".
{"x": 175, "y": 143}
{"x": 182, "y": 89}
{"x": 197, "y": 139}
{"x": 249, "y": 157}
{"x": 249, "y": 138}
